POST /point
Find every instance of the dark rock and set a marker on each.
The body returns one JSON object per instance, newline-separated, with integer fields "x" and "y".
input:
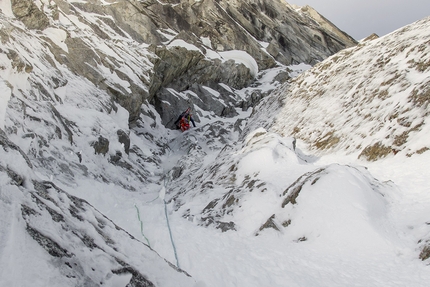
{"x": 172, "y": 64}
{"x": 57, "y": 217}
{"x": 116, "y": 158}
{"x": 101, "y": 146}
{"x": 211, "y": 205}
{"x": 270, "y": 223}
{"x": 301, "y": 239}
{"x": 16, "y": 178}
{"x": 124, "y": 139}
{"x": 375, "y": 152}
{"x": 8, "y": 145}
{"x": 294, "y": 193}
{"x": 286, "y": 223}
{"x": 79, "y": 154}
{"x": 177, "y": 172}
{"x": 189, "y": 72}
{"x": 294, "y": 189}
{"x": 18, "y": 63}
{"x": 137, "y": 279}
{"x": 27, "y": 211}
{"x": 52, "y": 247}
{"x": 252, "y": 100}
{"x": 64, "y": 122}
{"x": 230, "y": 199}
{"x": 425, "y": 253}
{"x": 371, "y": 37}
{"x": 226, "y": 226}
{"x": 229, "y": 112}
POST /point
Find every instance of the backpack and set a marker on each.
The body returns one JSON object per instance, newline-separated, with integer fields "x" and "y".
{"x": 184, "y": 124}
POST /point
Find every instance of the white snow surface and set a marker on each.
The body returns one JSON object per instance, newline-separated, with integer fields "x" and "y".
{"x": 241, "y": 57}
{"x": 351, "y": 222}
{"x": 6, "y": 8}
{"x": 238, "y": 56}
{"x": 4, "y": 98}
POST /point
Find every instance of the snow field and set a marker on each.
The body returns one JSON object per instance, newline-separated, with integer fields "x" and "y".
{"x": 356, "y": 227}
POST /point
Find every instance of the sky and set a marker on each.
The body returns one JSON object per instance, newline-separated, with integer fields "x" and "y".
{"x": 360, "y": 19}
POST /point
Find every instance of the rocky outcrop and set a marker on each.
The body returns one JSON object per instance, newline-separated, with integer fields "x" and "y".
{"x": 235, "y": 25}
{"x": 101, "y": 146}
{"x": 92, "y": 38}
{"x": 27, "y": 12}
{"x": 124, "y": 139}
{"x": 425, "y": 252}
{"x": 277, "y": 23}
{"x": 178, "y": 71}
{"x": 179, "y": 68}
{"x": 326, "y": 25}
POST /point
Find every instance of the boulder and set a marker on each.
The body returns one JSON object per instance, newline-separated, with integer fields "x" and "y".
{"x": 124, "y": 139}
{"x": 101, "y": 146}
{"x": 27, "y": 12}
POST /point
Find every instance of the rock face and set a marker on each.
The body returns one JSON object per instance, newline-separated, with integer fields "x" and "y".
{"x": 235, "y": 25}
{"x": 271, "y": 32}
{"x": 286, "y": 30}
{"x": 326, "y": 25}
{"x": 101, "y": 146}
{"x": 27, "y": 12}
{"x": 219, "y": 26}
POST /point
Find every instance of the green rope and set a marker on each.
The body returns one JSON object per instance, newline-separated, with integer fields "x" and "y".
{"x": 141, "y": 225}
{"x": 166, "y": 182}
{"x": 171, "y": 235}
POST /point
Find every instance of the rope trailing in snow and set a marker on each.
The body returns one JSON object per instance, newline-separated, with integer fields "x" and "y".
{"x": 151, "y": 201}
{"x": 162, "y": 193}
{"x": 167, "y": 179}
{"x": 171, "y": 236}
{"x": 141, "y": 225}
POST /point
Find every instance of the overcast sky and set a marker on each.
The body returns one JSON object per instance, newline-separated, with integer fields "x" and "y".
{"x": 359, "y": 19}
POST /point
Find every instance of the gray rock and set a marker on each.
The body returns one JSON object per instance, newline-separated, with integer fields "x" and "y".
{"x": 9, "y": 145}
{"x": 15, "y": 177}
{"x": 124, "y": 139}
{"x": 226, "y": 25}
{"x": 270, "y": 223}
{"x": 29, "y": 14}
{"x": 52, "y": 247}
{"x": 425, "y": 253}
{"x": 252, "y": 100}
{"x": 101, "y": 146}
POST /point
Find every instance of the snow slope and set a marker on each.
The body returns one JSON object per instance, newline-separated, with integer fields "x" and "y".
{"x": 4, "y": 98}
{"x": 48, "y": 237}
{"x": 371, "y": 100}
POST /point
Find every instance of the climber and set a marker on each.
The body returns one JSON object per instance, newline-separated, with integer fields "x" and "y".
{"x": 183, "y": 121}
